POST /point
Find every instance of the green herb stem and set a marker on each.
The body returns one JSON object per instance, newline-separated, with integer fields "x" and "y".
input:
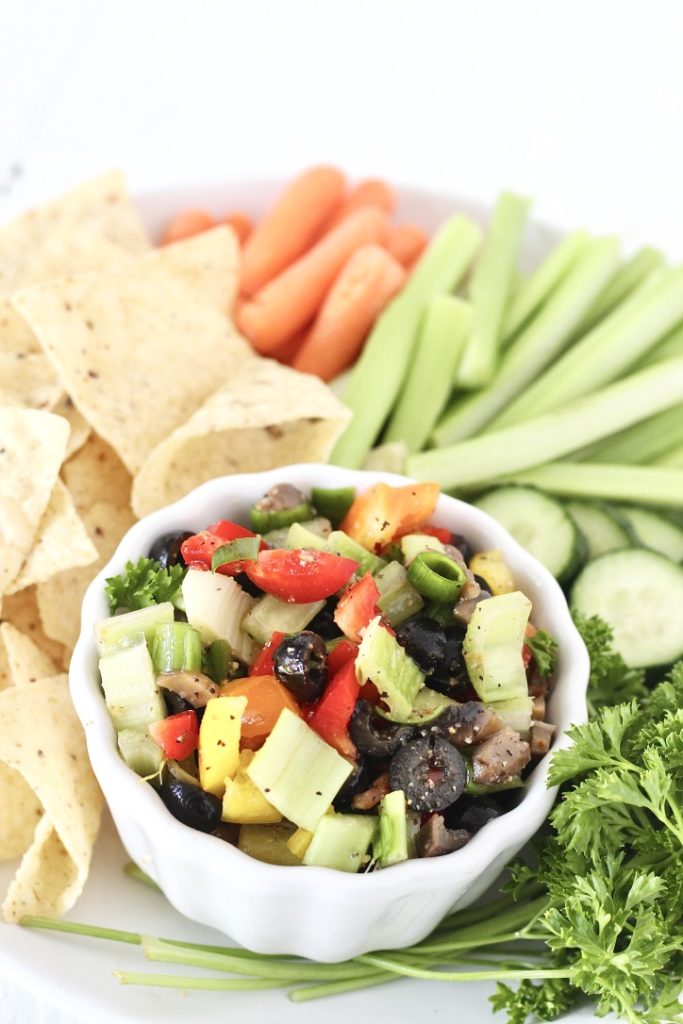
{"x": 205, "y": 984}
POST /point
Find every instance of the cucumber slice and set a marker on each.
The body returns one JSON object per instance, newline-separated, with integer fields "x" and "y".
{"x": 131, "y": 693}
{"x": 391, "y": 841}
{"x": 603, "y": 528}
{"x": 493, "y": 644}
{"x": 540, "y": 524}
{"x": 399, "y": 599}
{"x": 639, "y": 593}
{"x": 655, "y": 531}
{"x": 427, "y": 706}
{"x": 270, "y": 615}
{"x": 341, "y": 841}
{"x": 127, "y": 630}
{"x": 216, "y": 606}
{"x": 381, "y": 659}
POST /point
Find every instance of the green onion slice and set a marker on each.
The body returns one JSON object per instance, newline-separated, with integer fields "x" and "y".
{"x": 436, "y": 576}
{"x": 243, "y": 549}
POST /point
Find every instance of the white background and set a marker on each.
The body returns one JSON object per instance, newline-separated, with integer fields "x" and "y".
{"x": 575, "y": 102}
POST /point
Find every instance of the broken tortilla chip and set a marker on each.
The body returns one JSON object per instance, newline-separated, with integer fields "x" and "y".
{"x": 61, "y": 542}
{"x": 28, "y": 378}
{"x": 42, "y": 740}
{"x": 26, "y": 662}
{"x": 32, "y": 449}
{"x": 207, "y": 263}
{"x": 96, "y": 474}
{"x": 247, "y": 426}
{"x": 80, "y": 429}
{"x": 21, "y": 609}
{"x": 137, "y": 351}
{"x": 60, "y": 597}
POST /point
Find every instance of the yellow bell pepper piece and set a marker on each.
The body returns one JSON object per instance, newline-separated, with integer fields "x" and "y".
{"x": 219, "y": 742}
{"x": 491, "y": 567}
{"x": 244, "y": 803}
{"x": 299, "y": 842}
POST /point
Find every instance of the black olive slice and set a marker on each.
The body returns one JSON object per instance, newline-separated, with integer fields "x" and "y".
{"x": 431, "y": 773}
{"x": 300, "y": 664}
{"x": 374, "y": 735}
{"x": 190, "y": 804}
{"x": 166, "y": 549}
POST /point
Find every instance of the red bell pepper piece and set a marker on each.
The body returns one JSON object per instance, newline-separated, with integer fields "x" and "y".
{"x": 262, "y": 665}
{"x": 330, "y": 718}
{"x": 177, "y": 735}
{"x": 300, "y": 576}
{"x": 344, "y": 652}
{"x": 357, "y": 607}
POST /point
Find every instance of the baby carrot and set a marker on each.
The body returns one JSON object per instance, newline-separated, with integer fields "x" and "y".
{"x": 287, "y": 231}
{"x": 289, "y": 303}
{"x": 371, "y": 192}
{"x": 406, "y": 243}
{"x": 287, "y": 352}
{"x": 241, "y": 224}
{"x": 365, "y": 284}
{"x": 186, "y": 224}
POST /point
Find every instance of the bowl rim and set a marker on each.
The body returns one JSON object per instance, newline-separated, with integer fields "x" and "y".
{"x": 142, "y": 801}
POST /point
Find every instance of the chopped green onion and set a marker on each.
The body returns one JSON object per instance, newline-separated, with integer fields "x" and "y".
{"x": 441, "y": 613}
{"x": 436, "y": 576}
{"x": 333, "y": 502}
{"x": 265, "y": 519}
{"x": 243, "y": 549}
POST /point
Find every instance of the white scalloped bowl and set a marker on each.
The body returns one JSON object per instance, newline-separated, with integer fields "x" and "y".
{"x": 315, "y": 912}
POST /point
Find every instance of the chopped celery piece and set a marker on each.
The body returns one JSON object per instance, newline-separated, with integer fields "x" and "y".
{"x": 382, "y": 660}
{"x": 673, "y": 458}
{"x": 608, "y": 350}
{"x": 482, "y": 459}
{"x": 671, "y": 345}
{"x": 126, "y": 630}
{"x": 387, "y": 458}
{"x": 341, "y": 841}
{"x": 379, "y": 373}
{"x": 268, "y": 843}
{"x": 339, "y": 543}
{"x": 642, "y": 442}
{"x": 515, "y": 712}
{"x": 626, "y": 278}
{"x": 490, "y": 287}
{"x": 265, "y": 519}
{"x": 298, "y": 772}
{"x": 219, "y": 663}
{"x": 536, "y": 346}
{"x": 661, "y": 485}
{"x": 216, "y": 605}
{"x": 413, "y": 544}
{"x": 427, "y": 706}
{"x": 242, "y": 549}
{"x": 391, "y": 841}
{"x": 130, "y": 689}
{"x": 333, "y": 502}
{"x": 219, "y": 742}
{"x": 473, "y": 788}
{"x": 492, "y": 647}
{"x": 140, "y": 752}
{"x": 398, "y": 598}
{"x": 536, "y": 289}
{"x": 445, "y": 328}
{"x": 176, "y": 646}
{"x": 299, "y": 536}
{"x": 269, "y": 615}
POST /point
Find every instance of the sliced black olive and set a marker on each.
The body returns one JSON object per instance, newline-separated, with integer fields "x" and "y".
{"x": 190, "y": 804}
{"x": 374, "y": 735}
{"x": 166, "y": 549}
{"x": 465, "y": 724}
{"x": 300, "y": 663}
{"x": 175, "y": 703}
{"x": 482, "y": 583}
{"x": 360, "y": 778}
{"x": 437, "y": 651}
{"x": 478, "y": 814}
{"x": 247, "y": 585}
{"x": 431, "y": 773}
{"x": 463, "y": 546}
{"x": 323, "y": 624}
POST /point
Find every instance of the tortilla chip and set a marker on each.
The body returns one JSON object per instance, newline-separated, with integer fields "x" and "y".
{"x": 20, "y": 811}
{"x": 137, "y": 351}
{"x": 268, "y": 415}
{"x": 32, "y": 449}
{"x": 61, "y": 542}
{"x": 60, "y": 597}
{"x": 43, "y": 741}
{"x": 80, "y": 428}
{"x": 25, "y": 660}
{"x": 16, "y": 337}
{"x": 207, "y": 263}
{"x": 28, "y": 379}
{"x": 100, "y": 206}
{"x": 96, "y": 474}
{"x": 21, "y": 610}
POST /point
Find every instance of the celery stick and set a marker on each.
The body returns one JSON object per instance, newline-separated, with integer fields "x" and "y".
{"x": 483, "y": 459}
{"x": 387, "y": 458}
{"x": 536, "y": 346}
{"x": 658, "y": 485}
{"x": 534, "y": 292}
{"x": 667, "y": 348}
{"x": 673, "y": 458}
{"x": 643, "y": 442}
{"x": 606, "y": 352}
{"x": 378, "y": 375}
{"x": 445, "y": 328}
{"x": 489, "y": 290}
{"x": 626, "y": 278}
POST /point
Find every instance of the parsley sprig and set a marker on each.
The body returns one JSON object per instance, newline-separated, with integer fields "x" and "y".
{"x": 144, "y": 583}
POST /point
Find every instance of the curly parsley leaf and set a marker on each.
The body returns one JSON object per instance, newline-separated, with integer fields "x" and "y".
{"x": 144, "y": 583}
{"x": 546, "y": 1001}
{"x": 544, "y": 649}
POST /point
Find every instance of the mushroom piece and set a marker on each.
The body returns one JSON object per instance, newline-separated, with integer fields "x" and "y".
{"x": 281, "y": 497}
{"x": 500, "y": 758}
{"x": 466, "y": 724}
{"x": 194, "y": 687}
{"x": 372, "y": 796}
{"x": 434, "y": 839}
{"x": 471, "y": 589}
{"x": 540, "y": 738}
{"x": 538, "y": 708}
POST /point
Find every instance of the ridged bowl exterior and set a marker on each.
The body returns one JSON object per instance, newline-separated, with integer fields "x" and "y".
{"x": 312, "y": 911}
